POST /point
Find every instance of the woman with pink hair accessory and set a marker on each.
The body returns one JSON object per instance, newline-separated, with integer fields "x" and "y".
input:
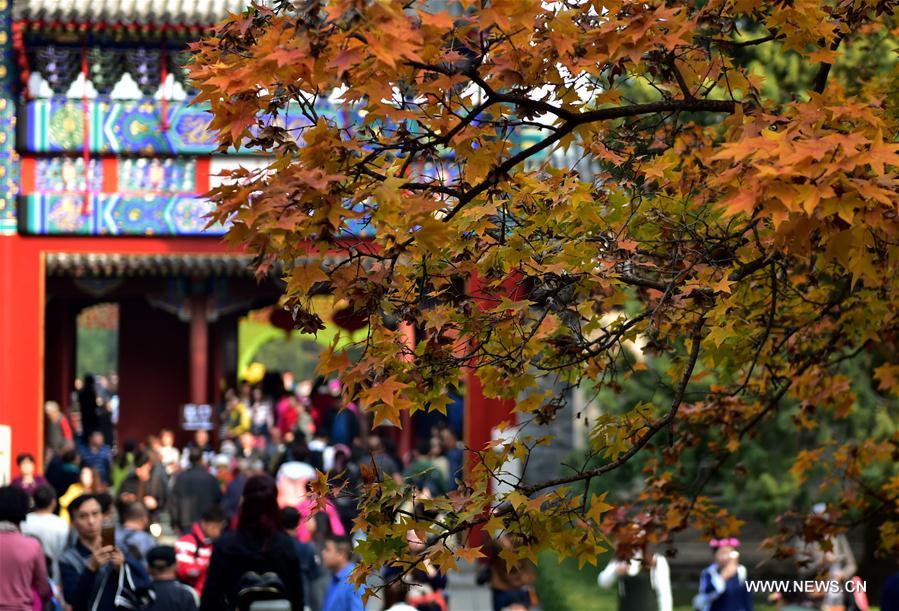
{"x": 722, "y": 584}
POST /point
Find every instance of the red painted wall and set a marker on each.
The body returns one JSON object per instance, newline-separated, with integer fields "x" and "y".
{"x": 22, "y": 318}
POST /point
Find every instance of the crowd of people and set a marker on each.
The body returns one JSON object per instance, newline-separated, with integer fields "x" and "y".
{"x": 151, "y": 525}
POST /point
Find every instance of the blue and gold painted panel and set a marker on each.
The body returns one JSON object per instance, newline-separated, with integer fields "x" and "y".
{"x": 131, "y": 126}
{"x": 114, "y": 214}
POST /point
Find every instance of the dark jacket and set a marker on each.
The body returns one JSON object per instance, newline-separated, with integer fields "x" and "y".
{"x": 156, "y": 487}
{"x": 240, "y": 552}
{"x": 233, "y": 492}
{"x": 309, "y": 571}
{"x": 82, "y": 588}
{"x": 61, "y": 475}
{"x": 172, "y": 595}
{"x": 889, "y": 596}
{"x": 195, "y": 491}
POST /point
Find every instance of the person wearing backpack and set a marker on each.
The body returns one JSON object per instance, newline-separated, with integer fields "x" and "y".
{"x": 133, "y": 536}
{"x": 256, "y": 557}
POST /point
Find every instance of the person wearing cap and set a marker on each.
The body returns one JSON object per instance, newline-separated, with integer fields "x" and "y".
{"x": 171, "y": 594}
{"x": 722, "y": 585}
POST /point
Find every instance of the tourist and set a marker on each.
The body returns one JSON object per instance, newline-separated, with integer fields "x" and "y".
{"x": 426, "y": 584}
{"x": 509, "y": 584}
{"x": 452, "y": 449}
{"x": 57, "y": 429}
{"x": 345, "y": 427}
{"x": 257, "y": 545}
{"x": 722, "y": 585}
{"x": 237, "y": 418}
{"x": 889, "y": 595}
{"x": 261, "y": 417}
{"x": 383, "y": 462}
{"x": 168, "y": 453}
{"x": 194, "y": 549}
{"x": 23, "y": 569}
{"x": 294, "y": 474}
{"x": 88, "y": 483}
{"x": 341, "y": 595}
{"x": 837, "y": 563}
{"x": 234, "y": 489}
{"x": 105, "y": 416}
{"x": 133, "y": 536}
{"x": 395, "y": 595}
{"x": 288, "y": 415}
{"x": 97, "y": 455}
{"x": 123, "y": 463}
{"x": 88, "y": 405}
{"x": 145, "y": 483}
{"x": 27, "y": 480}
{"x": 345, "y": 476}
{"x": 63, "y": 470}
{"x": 309, "y": 569}
{"x": 90, "y": 570}
{"x": 171, "y": 595}
{"x": 195, "y": 491}
{"x": 47, "y": 527}
{"x": 642, "y": 586}
{"x": 248, "y": 447}
{"x": 439, "y": 460}
{"x": 423, "y": 472}
{"x": 201, "y": 441}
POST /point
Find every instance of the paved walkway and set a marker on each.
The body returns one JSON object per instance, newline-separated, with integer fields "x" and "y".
{"x": 465, "y": 594}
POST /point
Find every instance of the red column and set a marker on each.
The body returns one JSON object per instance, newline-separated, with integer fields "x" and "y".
{"x": 405, "y": 445}
{"x": 483, "y": 414}
{"x": 21, "y": 347}
{"x": 199, "y": 350}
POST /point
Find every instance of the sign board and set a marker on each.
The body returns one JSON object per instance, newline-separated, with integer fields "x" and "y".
{"x": 196, "y": 417}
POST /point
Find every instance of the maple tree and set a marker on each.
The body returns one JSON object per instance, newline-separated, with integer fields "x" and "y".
{"x": 542, "y": 183}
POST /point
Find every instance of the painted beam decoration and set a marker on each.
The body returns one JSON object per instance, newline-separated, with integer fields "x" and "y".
{"x": 115, "y": 196}
{"x": 114, "y": 214}
{"x": 133, "y": 127}
{"x": 8, "y": 166}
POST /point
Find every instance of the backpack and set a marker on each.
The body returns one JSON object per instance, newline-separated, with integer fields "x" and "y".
{"x": 264, "y": 592}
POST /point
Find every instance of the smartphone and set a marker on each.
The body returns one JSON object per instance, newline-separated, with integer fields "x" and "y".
{"x": 107, "y": 535}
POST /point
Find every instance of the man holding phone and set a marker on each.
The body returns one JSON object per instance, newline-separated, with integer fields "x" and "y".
{"x": 95, "y": 574}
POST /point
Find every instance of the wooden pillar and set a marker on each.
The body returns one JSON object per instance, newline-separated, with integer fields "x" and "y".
{"x": 199, "y": 350}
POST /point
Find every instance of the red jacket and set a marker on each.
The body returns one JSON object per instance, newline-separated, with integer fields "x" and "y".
{"x": 192, "y": 552}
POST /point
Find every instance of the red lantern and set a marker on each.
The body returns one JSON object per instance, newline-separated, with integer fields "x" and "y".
{"x": 349, "y": 319}
{"x": 282, "y": 319}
